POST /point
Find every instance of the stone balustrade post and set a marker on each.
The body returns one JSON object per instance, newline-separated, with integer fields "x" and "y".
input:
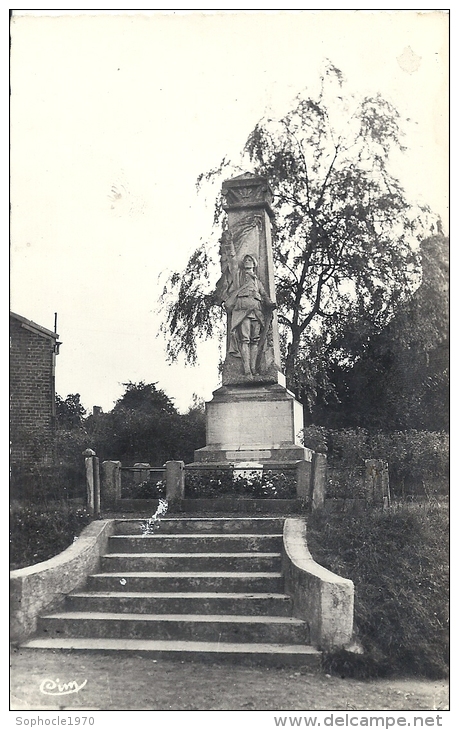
{"x": 92, "y": 482}
{"x": 143, "y": 475}
{"x": 111, "y": 484}
{"x": 175, "y": 480}
{"x": 318, "y": 480}
{"x": 377, "y": 491}
{"x": 303, "y": 480}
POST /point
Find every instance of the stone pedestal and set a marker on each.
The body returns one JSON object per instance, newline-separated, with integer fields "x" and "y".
{"x": 259, "y": 423}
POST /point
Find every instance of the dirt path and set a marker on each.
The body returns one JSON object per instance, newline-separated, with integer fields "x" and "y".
{"x": 140, "y": 683}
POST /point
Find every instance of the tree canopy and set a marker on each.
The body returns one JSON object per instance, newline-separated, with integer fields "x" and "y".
{"x": 400, "y": 376}
{"x": 145, "y": 397}
{"x": 345, "y": 237}
{"x": 69, "y": 411}
{"x": 145, "y": 426}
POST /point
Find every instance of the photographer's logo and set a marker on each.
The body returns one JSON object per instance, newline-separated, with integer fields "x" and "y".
{"x": 55, "y": 687}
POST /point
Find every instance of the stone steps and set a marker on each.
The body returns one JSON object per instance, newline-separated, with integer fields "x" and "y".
{"x": 244, "y": 562}
{"x": 182, "y": 581}
{"x": 281, "y": 655}
{"x": 277, "y": 629}
{"x": 194, "y": 543}
{"x": 196, "y": 588}
{"x": 249, "y": 604}
{"x": 179, "y": 525}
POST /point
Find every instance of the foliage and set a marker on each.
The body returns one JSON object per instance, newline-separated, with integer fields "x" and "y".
{"x": 210, "y": 483}
{"x": 148, "y": 489}
{"x": 349, "y": 446}
{"x": 418, "y": 460}
{"x": 31, "y": 465}
{"x": 315, "y": 438}
{"x": 144, "y": 426}
{"x": 398, "y": 561}
{"x": 71, "y": 439}
{"x": 399, "y": 378}
{"x": 69, "y": 467}
{"x": 52, "y": 467}
{"x": 37, "y": 534}
{"x": 69, "y": 411}
{"x": 190, "y": 314}
{"x": 146, "y": 398}
{"x": 344, "y": 244}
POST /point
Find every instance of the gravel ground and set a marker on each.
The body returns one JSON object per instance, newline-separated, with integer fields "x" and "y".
{"x": 110, "y": 682}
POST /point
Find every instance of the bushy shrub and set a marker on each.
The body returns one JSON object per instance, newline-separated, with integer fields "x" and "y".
{"x": 70, "y": 464}
{"x": 315, "y": 438}
{"x": 270, "y": 484}
{"x": 398, "y": 561}
{"x": 50, "y": 469}
{"x": 208, "y": 483}
{"x": 418, "y": 460}
{"x": 144, "y": 425}
{"x": 148, "y": 489}
{"x": 37, "y": 534}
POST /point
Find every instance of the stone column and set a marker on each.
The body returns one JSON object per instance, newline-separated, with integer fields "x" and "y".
{"x": 377, "y": 482}
{"x": 111, "y": 484}
{"x": 175, "y": 480}
{"x": 143, "y": 475}
{"x": 92, "y": 482}
{"x": 252, "y": 351}
{"x": 95, "y": 462}
{"x": 318, "y": 480}
{"x": 303, "y": 478}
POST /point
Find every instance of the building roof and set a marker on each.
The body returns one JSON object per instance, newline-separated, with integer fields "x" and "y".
{"x": 34, "y": 327}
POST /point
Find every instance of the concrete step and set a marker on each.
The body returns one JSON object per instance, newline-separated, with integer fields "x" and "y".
{"x": 132, "y": 562}
{"x": 226, "y": 525}
{"x": 237, "y": 505}
{"x": 189, "y": 627}
{"x": 264, "y": 654}
{"x": 194, "y": 543}
{"x": 151, "y": 581}
{"x": 213, "y": 506}
{"x": 248, "y": 604}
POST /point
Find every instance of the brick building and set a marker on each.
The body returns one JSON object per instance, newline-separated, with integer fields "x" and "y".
{"x": 33, "y": 351}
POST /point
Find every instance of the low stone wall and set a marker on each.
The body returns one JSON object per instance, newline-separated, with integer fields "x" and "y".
{"x": 321, "y": 598}
{"x": 42, "y": 587}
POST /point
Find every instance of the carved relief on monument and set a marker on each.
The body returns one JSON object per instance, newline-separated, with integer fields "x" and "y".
{"x": 248, "y": 307}
{"x": 246, "y": 286}
{"x": 246, "y": 190}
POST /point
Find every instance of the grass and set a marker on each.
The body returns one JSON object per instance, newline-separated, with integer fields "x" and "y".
{"x": 398, "y": 560}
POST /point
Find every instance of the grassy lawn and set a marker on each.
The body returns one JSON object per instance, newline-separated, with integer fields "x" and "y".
{"x": 399, "y": 561}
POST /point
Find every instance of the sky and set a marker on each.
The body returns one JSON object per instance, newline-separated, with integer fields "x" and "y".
{"x": 113, "y": 117}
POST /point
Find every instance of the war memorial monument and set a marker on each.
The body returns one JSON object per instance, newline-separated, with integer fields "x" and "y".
{"x": 252, "y": 417}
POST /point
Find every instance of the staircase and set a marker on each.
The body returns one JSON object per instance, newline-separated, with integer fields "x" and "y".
{"x": 196, "y": 588}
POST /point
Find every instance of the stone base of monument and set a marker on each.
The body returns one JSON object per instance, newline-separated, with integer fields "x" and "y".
{"x": 253, "y": 423}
